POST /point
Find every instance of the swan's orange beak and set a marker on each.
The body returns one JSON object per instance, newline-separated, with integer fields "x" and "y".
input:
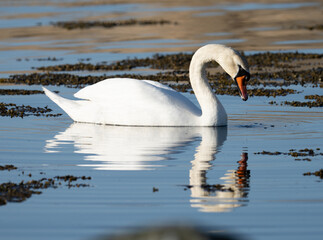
{"x": 242, "y": 86}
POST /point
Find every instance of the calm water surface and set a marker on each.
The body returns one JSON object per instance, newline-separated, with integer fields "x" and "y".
{"x": 269, "y": 197}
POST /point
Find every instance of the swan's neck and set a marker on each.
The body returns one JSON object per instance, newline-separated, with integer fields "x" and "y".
{"x": 212, "y": 109}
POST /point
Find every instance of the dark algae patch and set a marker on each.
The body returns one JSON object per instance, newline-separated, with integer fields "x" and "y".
{"x": 317, "y": 102}
{"x": 53, "y": 59}
{"x": 279, "y": 60}
{"x": 19, "y": 92}
{"x": 71, "y": 178}
{"x": 13, "y": 110}
{"x": 302, "y": 154}
{"x": 179, "y": 61}
{"x": 7, "y": 167}
{"x": 287, "y": 67}
{"x": 269, "y": 153}
{"x": 19, "y": 192}
{"x": 318, "y": 27}
{"x": 12, "y": 192}
{"x": 71, "y": 25}
{"x": 318, "y": 173}
{"x": 57, "y": 79}
{"x": 272, "y": 73}
{"x": 221, "y": 83}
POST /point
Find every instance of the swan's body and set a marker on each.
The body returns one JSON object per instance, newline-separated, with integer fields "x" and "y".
{"x": 125, "y": 101}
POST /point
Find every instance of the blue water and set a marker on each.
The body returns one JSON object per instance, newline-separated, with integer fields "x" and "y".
{"x": 291, "y": 42}
{"x": 126, "y": 163}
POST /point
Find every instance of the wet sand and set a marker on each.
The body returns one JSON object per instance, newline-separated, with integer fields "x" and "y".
{"x": 265, "y": 25}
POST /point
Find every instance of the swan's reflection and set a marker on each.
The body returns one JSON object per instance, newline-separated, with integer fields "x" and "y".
{"x": 140, "y": 148}
{"x": 131, "y": 148}
{"x": 220, "y": 197}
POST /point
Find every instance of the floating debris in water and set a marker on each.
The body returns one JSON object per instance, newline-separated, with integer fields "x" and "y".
{"x": 7, "y": 167}
{"x": 12, "y": 192}
{"x": 302, "y": 152}
{"x": 304, "y": 159}
{"x": 70, "y": 25}
{"x": 273, "y": 103}
{"x": 269, "y": 153}
{"x": 318, "y": 173}
{"x": 306, "y": 152}
{"x": 71, "y": 178}
{"x": 13, "y": 110}
{"x": 53, "y": 59}
{"x": 19, "y": 192}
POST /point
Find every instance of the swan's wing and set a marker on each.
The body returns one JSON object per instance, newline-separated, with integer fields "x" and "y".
{"x": 105, "y": 88}
{"x": 157, "y": 84}
{"x": 132, "y": 98}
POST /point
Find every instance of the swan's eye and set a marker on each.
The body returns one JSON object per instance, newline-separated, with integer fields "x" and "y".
{"x": 244, "y": 73}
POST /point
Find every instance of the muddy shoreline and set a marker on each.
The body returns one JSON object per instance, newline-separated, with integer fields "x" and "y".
{"x": 261, "y": 26}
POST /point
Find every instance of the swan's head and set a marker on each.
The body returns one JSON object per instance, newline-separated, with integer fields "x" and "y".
{"x": 241, "y": 79}
{"x": 237, "y": 67}
{"x": 230, "y": 60}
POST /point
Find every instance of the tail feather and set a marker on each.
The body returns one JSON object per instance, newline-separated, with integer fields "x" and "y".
{"x": 69, "y": 106}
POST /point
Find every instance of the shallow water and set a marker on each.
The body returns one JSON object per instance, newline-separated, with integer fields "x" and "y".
{"x": 150, "y": 176}
{"x": 270, "y": 199}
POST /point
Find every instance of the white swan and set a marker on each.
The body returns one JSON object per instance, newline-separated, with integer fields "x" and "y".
{"x": 124, "y": 101}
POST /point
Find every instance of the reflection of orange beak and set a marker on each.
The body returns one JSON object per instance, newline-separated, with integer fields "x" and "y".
{"x": 242, "y": 85}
